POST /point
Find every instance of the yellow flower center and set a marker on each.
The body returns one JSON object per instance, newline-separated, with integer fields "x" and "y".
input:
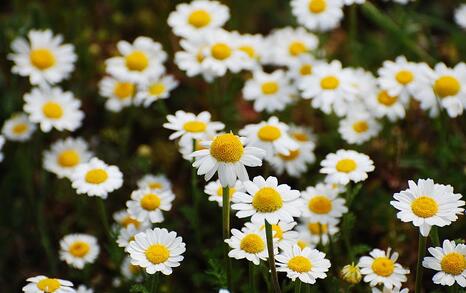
{"x": 48, "y": 285}
{"x": 252, "y": 243}
{"x": 157, "y": 89}
{"x": 52, "y": 110}
{"x": 195, "y": 126}
{"x": 317, "y": 228}
{"x": 424, "y": 207}
{"x": 157, "y": 253}
{"x": 297, "y": 48}
{"x": 68, "y": 158}
{"x": 301, "y": 244}
{"x": 137, "y": 61}
{"x": 384, "y": 98}
{"x": 155, "y": 185}
{"x": 320, "y": 204}
{"x": 227, "y": 148}
{"x": 130, "y": 221}
{"x": 305, "y": 69}
{"x": 360, "y": 126}
{"x": 346, "y": 165}
{"x": 249, "y": 50}
{"x": 269, "y": 88}
{"x": 20, "y": 128}
{"x": 123, "y": 90}
{"x": 453, "y": 263}
{"x": 269, "y": 133}
{"x": 329, "y": 82}
{"x": 231, "y": 191}
{"x": 42, "y": 58}
{"x": 446, "y": 86}
{"x": 221, "y": 51}
{"x": 199, "y": 18}
{"x": 150, "y": 202}
{"x": 300, "y": 264}
{"x": 291, "y": 156}
{"x": 300, "y": 136}
{"x": 267, "y": 200}
{"x": 79, "y": 249}
{"x": 96, "y": 176}
{"x": 317, "y": 6}
{"x": 383, "y": 266}
{"x": 404, "y": 77}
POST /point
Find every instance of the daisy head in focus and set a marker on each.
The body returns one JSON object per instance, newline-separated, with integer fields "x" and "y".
{"x": 449, "y": 261}
{"x": 198, "y": 17}
{"x": 42, "y": 57}
{"x": 155, "y": 89}
{"x": 296, "y": 162}
{"x": 323, "y": 204}
{"x": 147, "y": 204}
{"x": 265, "y": 199}
{"x": 43, "y": 284}
{"x": 156, "y": 250}
{"x": 345, "y": 166}
{"x": 119, "y": 93}
{"x": 312, "y": 233}
{"x": 381, "y": 268}
{"x": 18, "y": 128}
{"x": 318, "y": 15}
{"x": 65, "y": 155}
{"x": 358, "y": 127}
{"x": 227, "y": 156}
{"x": 305, "y": 264}
{"x": 460, "y": 16}
{"x": 77, "y": 250}
{"x": 96, "y": 178}
{"x": 270, "y": 91}
{"x": 282, "y": 232}
{"x": 154, "y": 182}
{"x": 428, "y": 204}
{"x": 214, "y": 190}
{"x": 51, "y": 107}
{"x": 384, "y": 105}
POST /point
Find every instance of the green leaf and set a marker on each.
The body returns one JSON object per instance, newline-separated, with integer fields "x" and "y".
{"x": 138, "y": 288}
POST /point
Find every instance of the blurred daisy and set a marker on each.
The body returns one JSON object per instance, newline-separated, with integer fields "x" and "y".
{"x": 43, "y": 284}
{"x": 306, "y": 264}
{"x": 119, "y": 93}
{"x": 227, "y": 156}
{"x": 460, "y": 16}
{"x": 215, "y": 191}
{"x": 84, "y": 289}
{"x": 77, "y": 250}
{"x": 155, "y": 182}
{"x": 384, "y": 105}
{"x": 302, "y": 67}
{"x": 191, "y": 57}
{"x": 155, "y": 89}
{"x": 125, "y": 220}
{"x": 363, "y": 82}
{"x": 428, "y": 204}
{"x": 265, "y": 199}
{"x": 156, "y": 250}
{"x": 350, "y": 2}
{"x": 388, "y": 290}
{"x": 2, "y": 142}
{"x": 302, "y": 135}
{"x": 358, "y": 127}
{"x": 345, "y": 166}
{"x": 18, "y": 128}
{"x": 65, "y": 155}
{"x": 252, "y": 45}
{"x": 318, "y": 15}
{"x": 271, "y": 136}
{"x": 270, "y": 91}
{"x": 139, "y": 61}
{"x": 381, "y": 268}
{"x": 148, "y": 204}
{"x": 53, "y": 108}
{"x": 198, "y": 17}
{"x": 323, "y": 204}
{"x": 187, "y": 147}
{"x": 250, "y": 244}
{"x": 126, "y": 235}
{"x": 96, "y": 178}
{"x": 282, "y": 232}
{"x": 312, "y": 233}
{"x": 42, "y": 57}
{"x": 450, "y": 262}
{"x": 130, "y": 271}
{"x": 295, "y": 163}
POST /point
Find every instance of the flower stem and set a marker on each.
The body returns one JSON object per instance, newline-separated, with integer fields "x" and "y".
{"x": 196, "y": 199}
{"x": 104, "y": 219}
{"x": 273, "y": 269}
{"x": 434, "y": 236}
{"x": 154, "y": 282}
{"x": 226, "y": 231}
{"x": 420, "y": 255}
{"x": 297, "y": 286}
{"x": 252, "y": 278}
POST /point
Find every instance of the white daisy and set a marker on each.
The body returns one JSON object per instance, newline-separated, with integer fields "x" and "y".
{"x": 312, "y": 233}
{"x": 428, "y": 204}
{"x": 384, "y": 105}
{"x": 77, "y": 250}
{"x": 155, "y": 89}
{"x": 302, "y": 67}
{"x": 124, "y": 220}
{"x": 363, "y": 82}
{"x": 84, "y": 289}
{"x": 323, "y": 204}
{"x": 460, "y": 16}
{"x": 318, "y": 15}
{"x": 187, "y": 147}
{"x": 42, "y": 57}
{"x": 450, "y": 262}
{"x": 126, "y": 235}
{"x": 156, "y": 250}
{"x": 53, "y": 108}
{"x": 381, "y": 268}
{"x": 295, "y": 163}
{"x": 250, "y": 244}
{"x": 95, "y": 178}
{"x": 43, "y": 284}
{"x": 303, "y": 135}
{"x": 345, "y": 166}
{"x": 148, "y": 204}
{"x": 130, "y": 271}
{"x": 282, "y": 232}
{"x": 253, "y": 45}
{"x": 358, "y": 127}
{"x": 119, "y": 93}
{"x": 18, "y": 128}
{"x": 154, "y": 182}
{"x": 215, "y": 191}
{"x": 305, "y": 264}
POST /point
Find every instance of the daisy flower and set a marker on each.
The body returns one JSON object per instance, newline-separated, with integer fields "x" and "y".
{"x": 318, "y": 15}
{"x": 450, "y": 262}
{"x": 351, "y": 274}
{"x": 43, "y": 284}
{"x": 323, "y": 204}
{"x": 154, "y": 182}
{"x": 198, "y": 17}
{"x": 358, "y": 127}
{"x": 312, "y": 233}
{"x": 270, "y": 91}
{"x": 282, "y": 232}
{"x": 126, "y": 235}
{"x": 148, "y": 204}
{"x": 460, "y": 16}
{"x": 363, "y": 82}
{"x": 130, "y": 271}
{"x": 96, "y": 178}
{"x": 119, "y": 93}
{"x": 265, "y": 199}
{"x": 84, "y": 289}
{"x": 227, "y": 156}
{"x": 271, "y": 136}
{"x": 295, "y": 163}
{"x": 155, "y": 89}
{"x": 384, "y": 105}
{"x": 380, "y": 267}
{"x": 125, "y": 220}
{"x": 345, "y": 166}
{"x": 139, "y": 61}
{"x": 187, "y": 147}
{"x": 156, "y": 250}
{"x": 65, "y": 155}
{"x": 51, "y": 107}
{"x": 215, "y": 191}
{"x": 250, "y": 243}
{"x": 428, "y": 204}
{"x": 18, "y": 128}
{"x": 306, "y": 264}
{"x": 302, "y": 67}
{"x": 42, "y": 57}
{"x": 252, "y": 45}
{"x": 77, "y": 250}
{"x": 302, "y": 135}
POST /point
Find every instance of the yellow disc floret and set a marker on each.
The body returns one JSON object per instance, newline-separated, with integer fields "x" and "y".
{"x": 20, "y": 128}
{"x": 199, "y": 18}
{"x": 453, "y": 263}
{"x": 195, "y": 126}
{"x": 157, "y": 89}
{"x": 123, "y": 90}
{"x": 447, "y": 86}
{"x": 227, "y": 148}
{"x": 42, "y": 58}
{"x": 221, "y": 51}
{"x": 424, "y": 207}
{"x": 385, "y": 99}
{"x": 79, "y": 249}
{"x": 404, "y": 77}
{"x": 267, "y": 200}
{"x": 52, "y": 110}
{"x": 297, "y": 48}
{"x": 157, "y": 253}
{"x": 48, "y": 285}
{"x": 300, "y": 264}
{"x": 137, "y": 61}
{"x": 320, "y": 204}
{"x": 383, "y": 266}
{"x": 269, "y": 133}
{"x": 360, "y": 126}
{"x": 150, "y": 202}
{"x": 96, "y": 176}
{"x": 68, "y": 158}
{"x": 317, "y": 6}
{"x": 329, "y": 82}
{"x": 252, "y": 243}
{"x": 346, "y": 165}
{"x": 270, "y": 88}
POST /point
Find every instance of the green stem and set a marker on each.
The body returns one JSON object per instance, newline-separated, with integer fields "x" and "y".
{"x": 163, "y": 107}
{"x": 154, "y": 282}
{"x": 353, "y": 23}
{"x": 44, "y": 238}
{"x": 420, "y": 256}
{"x": 252, "y": 277}
{"x": 434, "y": 236}
{"x": 273, "y": 269}
{"x": 297, "y": 286}
{"x": 226, "y": 232}
{"x": 196, "y": 199}
{"x": 104, "y": 219}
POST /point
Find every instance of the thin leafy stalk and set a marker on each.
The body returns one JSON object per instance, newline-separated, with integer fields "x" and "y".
{"x": 196, "y": 198}
{"x": 420, "y": 256}
{"x": 297, "y": 286}
{"x": 252, "y": 277}
{"x": 226, "y": 231}
{"x": 273, "y": 269}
